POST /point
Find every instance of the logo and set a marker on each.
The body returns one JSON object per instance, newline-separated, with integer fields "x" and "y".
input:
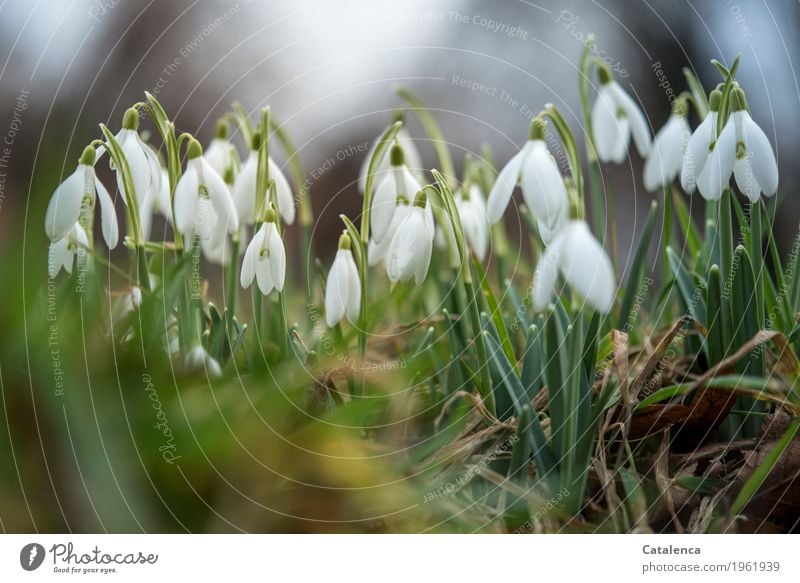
{"x": 31, "y": 556}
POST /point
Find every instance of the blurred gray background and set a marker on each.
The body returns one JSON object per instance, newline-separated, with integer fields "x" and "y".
{"x": 328, "y": 68}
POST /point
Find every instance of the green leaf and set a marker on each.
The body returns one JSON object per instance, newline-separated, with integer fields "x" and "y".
{"x": 494, "y": 310}
{"x": 690, "y": 290}
{"x": 761, "y": 473}
{"x": 636, "y": 272}
{"x": 698, "y": 93}
{"x": 532, "y": 364}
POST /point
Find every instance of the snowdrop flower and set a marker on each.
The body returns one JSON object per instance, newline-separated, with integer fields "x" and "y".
{"x": 542, "y": 184}
{"x": 156, "y": 201}
{"x": 376, "y": 253}
{"x": 265, "y": 258}
{"x": 399, "y": 182}
{"x": 75, "y": 196}
{"x": 409, "y": 253}
{"x": 142, "y": 161}
{"x": 221, "y": 152}
{"x": 615, "y": 116}
{"x": 702, "y": 142}
{"x": 744, "y": 150}
{"x": 199, "y": 359}
{"x": 584, "y": 264}
{"x": 63, "y": 252}
{"x": 244, "y": 189}
{"x": 203, "y": 203}
{"x": 665, "y": 159}
{"x": 343, "y": 287}
{"x": 413, "y": 159}
{"x": 472, "y": 212}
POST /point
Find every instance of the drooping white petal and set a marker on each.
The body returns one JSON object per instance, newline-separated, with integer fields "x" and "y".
{"x": 587, "y": 267}
{"x": 758, "y": 151}
{"x": 353, "y": 304}
{"x": 186, "y": 201}
{"x": 377, "y": 252}
{"x": 64, "y": 208}
{"x": 503, "y": 188}
{"x": 220, "y": 155}
{"x": 696, "y": 153}
{"x": 284, "y": 193}
{"x": 58, "y": 257}
{"x": 108, "y": 216}
{"x": 251, "y": 257}
{"x": 277, "y": 256}
{"x": 383, "y": 206}
{"x": 138, "y": 163}
{"x": 337, "y": 289}
{"x": 475, "y": 226}
{"x": 406, "y": 249}
{"x": 543, "y": 187}
{"x": 544, "y": 279}
{"x": 610, "y": 131}
{"x": 244, "y": 190}
{"x": 423, "y": 262}
{"x": 716, "y": 173}
{"x": 221, "y": 198}
{"x": 666, "y": 156}
{"x": 635, "y": 117}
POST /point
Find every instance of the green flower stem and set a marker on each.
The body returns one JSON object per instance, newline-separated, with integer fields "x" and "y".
{"x": 584, "y": 76}
{"x": 433, "y": 130}
{"x": 306, "y": 213}
{"x": 233, "y": 286}
{"x": 666, "y": 234}
{"x": 571, "y": 147}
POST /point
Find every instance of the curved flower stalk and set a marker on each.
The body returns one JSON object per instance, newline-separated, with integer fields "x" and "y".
{"x": 471, "y": 209}
{"x": 412, "y": 157}
{"x": 76, "y": 196}
{"x": 265, "y": 258}
{"x": 701, "y": 143}
{"x": 584, "y": 264}
{"x": 399, "y": 183}
{"x": 542, "y": 184}
{"x": 198, "y": 359}
{"x": 203, "y": 203}
{"x": 615, "y": 117}
{"x": 743, "y": 150}
{"x": 245, "y": 188}
{"x": 62, "y": 252}
{"x": 343, "y": 287}
{"x": 409, "y": 253}
{"x": 665, "y": 160}
{"x": 156, "y": 201}
{"x": 221, "y": 153}
{"x": 142, "y": 160}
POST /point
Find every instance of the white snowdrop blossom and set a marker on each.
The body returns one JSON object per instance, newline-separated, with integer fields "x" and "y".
{"x": 343, "y": 286}
{"x": 398, "y": 183}
{"x": 744, "y": 150}
{"x": 75, "y": 196}
{"x": 412, "y": 157}
{"x": 142, "y": 160}
{"x": 543, "y": 186}
{"x": 377, "y": 252}
{"x": 665, "y": 160}
{"x": 203, "y": 204}
{"x": 584, "y": 264}
{"x": 615, "y": 116}
{"x": 198, "y": 359}
{"x": 265, "y": 258}
{"x": 220, "y": 152}
{"x": 409, "y": 252}
{"x": 701, "y": 143}
{"x": 244, "y": 189}
{"x": 472, "y": 213}
{"x": 62, "y": 253}
{"x": 156, "y": 201}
